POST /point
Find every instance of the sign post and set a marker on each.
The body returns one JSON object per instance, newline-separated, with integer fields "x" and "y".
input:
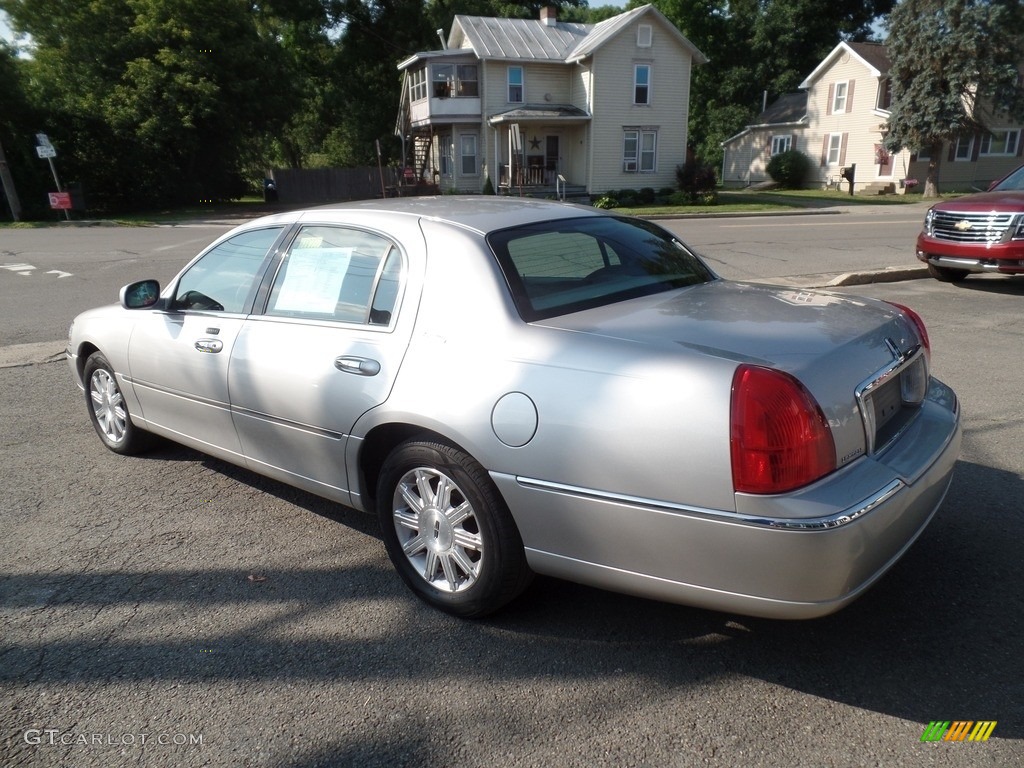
{"x": 46, "y": 150}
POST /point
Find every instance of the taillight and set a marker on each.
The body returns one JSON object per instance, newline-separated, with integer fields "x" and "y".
{"x": 918, "y": 323}
{"x": 780, "y": 439}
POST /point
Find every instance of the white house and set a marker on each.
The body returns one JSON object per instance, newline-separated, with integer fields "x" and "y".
{"x": 536, "y": 105}
{"x": 839, "y": 119}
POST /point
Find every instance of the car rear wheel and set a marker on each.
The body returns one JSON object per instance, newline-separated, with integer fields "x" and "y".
{"x": 447, "y": 531}
{"x": 947, "y": 274}
{"x": 107, "y": 409}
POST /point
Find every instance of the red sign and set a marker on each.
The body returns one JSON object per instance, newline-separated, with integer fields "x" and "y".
{"x": 60, "y": 201}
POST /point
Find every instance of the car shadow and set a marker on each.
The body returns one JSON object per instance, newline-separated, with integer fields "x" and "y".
{"x": 993, "y": 284}
{"x": 937, "y": 638}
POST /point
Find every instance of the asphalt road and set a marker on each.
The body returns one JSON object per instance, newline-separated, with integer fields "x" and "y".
{"x": 172, "y": 610}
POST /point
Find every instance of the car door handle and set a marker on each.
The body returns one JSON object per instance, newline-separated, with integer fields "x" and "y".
{"x": 361, "y": 366}
{"x": 209, "y": 345}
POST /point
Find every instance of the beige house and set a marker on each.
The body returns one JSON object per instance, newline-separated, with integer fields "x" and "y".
{"x": 839, "y": 120}
{"x": 549, "y": 107}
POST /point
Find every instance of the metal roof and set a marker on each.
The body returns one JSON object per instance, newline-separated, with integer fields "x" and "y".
{"x": 514, "y": 39}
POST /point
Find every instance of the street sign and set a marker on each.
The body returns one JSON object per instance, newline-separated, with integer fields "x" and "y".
{"x": 47, "y": 151}
{"x": 43, "y": 140}
{"x": 60, "y": 201}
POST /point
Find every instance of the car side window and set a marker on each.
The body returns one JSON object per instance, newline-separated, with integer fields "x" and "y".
{"x": 337, "y": 273}
{"x": 225, "y": 278}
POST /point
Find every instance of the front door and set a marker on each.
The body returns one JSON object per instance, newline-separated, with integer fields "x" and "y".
{"x": 178, "y": 357}
{"x": 551, "y": 164}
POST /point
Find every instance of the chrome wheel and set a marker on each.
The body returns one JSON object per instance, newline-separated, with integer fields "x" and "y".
{"x": 108, "y": 406}
{"x": 108, "y": 411}
{"x": 447, "y": 530}
{"x": 437, "y": 529}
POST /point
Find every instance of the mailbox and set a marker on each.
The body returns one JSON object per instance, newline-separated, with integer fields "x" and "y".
{"x": 848, "y": 172}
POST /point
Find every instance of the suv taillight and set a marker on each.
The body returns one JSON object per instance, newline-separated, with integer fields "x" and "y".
{"x": 780, "y": 439}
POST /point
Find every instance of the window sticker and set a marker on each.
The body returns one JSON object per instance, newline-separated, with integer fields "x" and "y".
{"x": 313, "y": 278}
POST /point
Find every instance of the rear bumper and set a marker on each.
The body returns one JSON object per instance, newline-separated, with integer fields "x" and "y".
{"x": 789, "y": 557}
{"x": 1002, "y": 258}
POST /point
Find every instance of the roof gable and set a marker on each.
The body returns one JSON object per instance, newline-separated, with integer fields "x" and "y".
{"x": 873, "y": 56}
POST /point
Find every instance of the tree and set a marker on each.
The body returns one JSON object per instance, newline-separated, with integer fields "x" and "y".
{"x": 152, "y": 101}
{"x": 954, "y": 66}
{"x": 757, "y": 48}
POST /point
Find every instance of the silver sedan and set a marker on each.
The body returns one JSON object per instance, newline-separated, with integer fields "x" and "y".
{"x": 518, "y": 387}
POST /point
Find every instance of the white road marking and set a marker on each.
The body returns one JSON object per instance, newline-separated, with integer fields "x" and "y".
{"x": 58, "y": 273}
{"x": 21, "y": 269}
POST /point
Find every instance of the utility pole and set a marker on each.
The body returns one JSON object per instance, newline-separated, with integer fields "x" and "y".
{"x": 8, "y": 182}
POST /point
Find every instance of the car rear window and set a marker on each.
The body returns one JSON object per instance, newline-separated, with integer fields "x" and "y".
{"x": 557, "y": 267}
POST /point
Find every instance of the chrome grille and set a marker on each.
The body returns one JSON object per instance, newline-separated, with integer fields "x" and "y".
{"x": 971, "y": 227}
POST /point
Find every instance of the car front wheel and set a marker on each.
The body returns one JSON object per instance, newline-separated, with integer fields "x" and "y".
{"x": 947, "y": 274}
{"x": 447, "y": 530}
{"x": 107, "y": 409}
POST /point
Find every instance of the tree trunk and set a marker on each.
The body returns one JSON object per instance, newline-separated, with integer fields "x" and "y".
{"x": 931, "y": 183}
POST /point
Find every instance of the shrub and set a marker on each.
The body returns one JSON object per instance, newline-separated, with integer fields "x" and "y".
{"x": 646, "y": 195}
{"x": 626, "y": 197}
{"x": 606, "y": 202}
{"x": 790, "y": 169}
{"x": 488, "y": 186}
{"x": 696, "y": 179}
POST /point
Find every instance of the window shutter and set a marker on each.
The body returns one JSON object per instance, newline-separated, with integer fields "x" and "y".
{"x": 976, "y": 147}
{"x": 842, "y": 149}
{"x": 792, "y": 141}
{"x": 849, "y": 96}
{"x": 1020, "y": 144}
{"x": 824, "y": 151}
{"x": 952, "y": 151}
{"x": 831, "y": 97}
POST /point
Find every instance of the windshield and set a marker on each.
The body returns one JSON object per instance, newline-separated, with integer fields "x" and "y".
{"x": 1013, "y": 182}
{"x": 557, "y": 267}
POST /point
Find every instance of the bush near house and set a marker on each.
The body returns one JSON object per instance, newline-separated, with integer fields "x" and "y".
{"x": 698, "y": 182}
{"x": 790, "y": 168}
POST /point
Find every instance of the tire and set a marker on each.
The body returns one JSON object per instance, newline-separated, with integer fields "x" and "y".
{"x": 107, "y": 410}
{"x": 447, "y": 530}
{"x": 947, "y": 274}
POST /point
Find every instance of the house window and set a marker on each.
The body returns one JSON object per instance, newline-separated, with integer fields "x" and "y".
{"x": 446, "y": 150}
{"x": 642, "y": 84}
{"x": 963, "y": 148}
{"x": 839, "y": 97}
{"x": 467, "y": 151}
{"x": 781, "y": 144}
{"x": 515, "y": 85}
{"x": 1000, "y": 143}
{"x": 443, "y": 81}
{"x": 418, "y": 84}
{"x": 885, "y": 94}
{"x": 643, "y": 36}
{"x": 835, "y": 148}
{"x": 468, "y": 84}
{"x": 639, "y": 150}
{"x": 451, "y": 80}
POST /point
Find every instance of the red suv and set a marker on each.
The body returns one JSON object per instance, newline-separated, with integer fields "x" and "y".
{"x": 976, "y": 233}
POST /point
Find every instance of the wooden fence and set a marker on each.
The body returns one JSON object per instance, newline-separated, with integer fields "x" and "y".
{"x": 315, "y": 186}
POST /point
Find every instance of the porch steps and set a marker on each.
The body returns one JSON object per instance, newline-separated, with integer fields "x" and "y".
{"x": 878, "y": 188}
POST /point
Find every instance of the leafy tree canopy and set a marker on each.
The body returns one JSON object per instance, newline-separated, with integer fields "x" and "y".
{"x": 954, "y": 66}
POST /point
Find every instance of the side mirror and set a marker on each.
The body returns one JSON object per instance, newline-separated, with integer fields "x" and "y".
{"x": 141, "y": 295}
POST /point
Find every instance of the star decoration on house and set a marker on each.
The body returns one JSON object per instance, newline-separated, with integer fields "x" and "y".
{"x": 534, "y": 143}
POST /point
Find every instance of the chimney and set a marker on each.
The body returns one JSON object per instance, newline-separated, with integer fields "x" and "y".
{"x": 549, "y": 15}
